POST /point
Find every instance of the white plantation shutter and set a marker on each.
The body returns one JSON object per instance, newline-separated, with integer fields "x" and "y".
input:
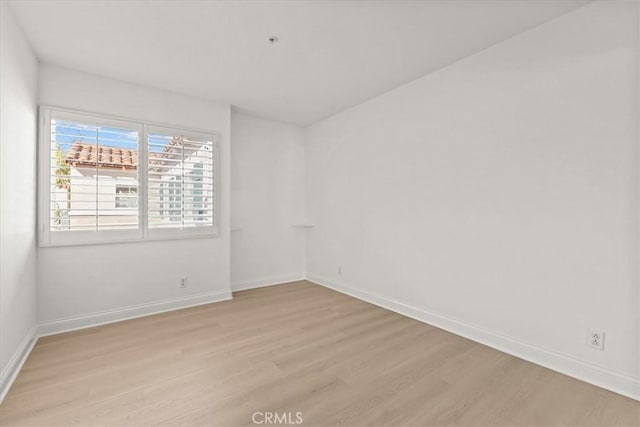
{"x": 105, "y": 180}
{"x": 88, "y": 158}
{"x": 181, "y": 176}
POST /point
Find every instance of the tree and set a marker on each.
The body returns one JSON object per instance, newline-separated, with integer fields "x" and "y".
{"x": 63, "y": 171}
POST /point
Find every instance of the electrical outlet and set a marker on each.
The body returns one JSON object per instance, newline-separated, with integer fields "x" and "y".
{"x": 595, "y": 339}
{"x": 183, "y": 282}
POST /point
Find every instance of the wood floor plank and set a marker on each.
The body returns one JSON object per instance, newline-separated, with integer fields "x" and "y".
{"x": 293, "y": 348}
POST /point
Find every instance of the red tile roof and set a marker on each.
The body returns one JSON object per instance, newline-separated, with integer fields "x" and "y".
{"x": 83, "y": 154}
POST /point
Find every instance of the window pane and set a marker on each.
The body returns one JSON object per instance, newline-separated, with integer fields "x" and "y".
{"x": 181, "y": 181}
{"x": 94, "y": 176}
{"x": 126, "y": 196}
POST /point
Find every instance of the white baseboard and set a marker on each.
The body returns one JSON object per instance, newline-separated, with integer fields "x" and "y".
{"x": 252, "y": 284}
{"x": 10, "y": 372}
{"x": 617, "y": 382}
{"x": 131, "y": 312}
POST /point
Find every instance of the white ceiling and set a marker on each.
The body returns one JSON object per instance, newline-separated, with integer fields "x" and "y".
{"x": 331, "y": 54}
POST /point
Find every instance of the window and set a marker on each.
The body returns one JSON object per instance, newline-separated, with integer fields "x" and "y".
{"x": 105, "y": 180}
{"x": 181, "y": 180}
{"x": 126, "y": 196}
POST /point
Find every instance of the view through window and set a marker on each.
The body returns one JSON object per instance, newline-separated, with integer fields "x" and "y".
{"x": 107, "y": 175}
{"x": 180, "y": 181}
{"x": 94, "y": 171}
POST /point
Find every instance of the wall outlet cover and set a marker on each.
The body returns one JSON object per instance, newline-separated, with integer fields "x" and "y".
{"x": 595, "y": 339}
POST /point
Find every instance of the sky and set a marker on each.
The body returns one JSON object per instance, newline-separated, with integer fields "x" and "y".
{"x": 65, "y": 133}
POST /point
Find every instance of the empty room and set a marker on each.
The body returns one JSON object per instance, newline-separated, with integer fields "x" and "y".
{"x": 320, "y": 213}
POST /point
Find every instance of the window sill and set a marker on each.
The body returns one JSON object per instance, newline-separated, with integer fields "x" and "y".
{"x": 102, "y": 242}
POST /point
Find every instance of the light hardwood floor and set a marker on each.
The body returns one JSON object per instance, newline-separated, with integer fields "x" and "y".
{"x": 287, "y": 349}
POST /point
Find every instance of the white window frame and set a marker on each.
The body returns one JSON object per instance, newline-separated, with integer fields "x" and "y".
{"x": 47, "y": 237}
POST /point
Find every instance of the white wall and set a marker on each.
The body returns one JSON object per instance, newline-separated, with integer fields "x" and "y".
{"x": 267, "y": 198}
{"x": 76, "y": 281}
{"x": 18, "y": 85}
{"x": 499, "y": 193}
